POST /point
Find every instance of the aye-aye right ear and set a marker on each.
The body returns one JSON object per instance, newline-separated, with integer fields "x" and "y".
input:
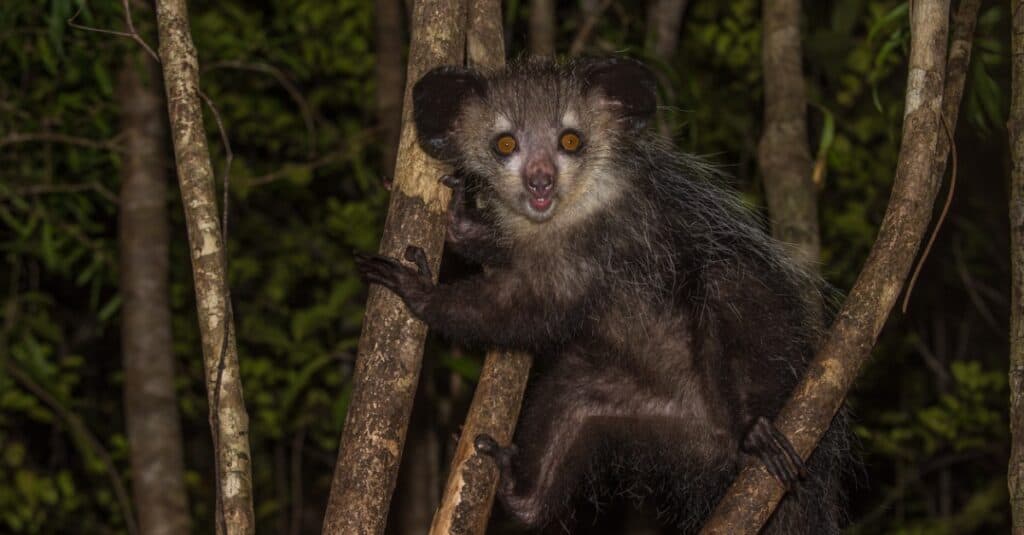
{"x": 436, "y": 100}
{"x": 628, "y": 87}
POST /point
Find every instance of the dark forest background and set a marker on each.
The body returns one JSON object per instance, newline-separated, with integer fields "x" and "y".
{"x": 295, "y": 83}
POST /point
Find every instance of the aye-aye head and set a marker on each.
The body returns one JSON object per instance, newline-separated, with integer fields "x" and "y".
{"x": 541, "y": 134}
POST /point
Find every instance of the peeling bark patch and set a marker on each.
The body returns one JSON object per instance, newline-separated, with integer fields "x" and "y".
{"x": 195, "y": 177}
{"x": 915, "y": 90}
{"x": 391, "y": 342}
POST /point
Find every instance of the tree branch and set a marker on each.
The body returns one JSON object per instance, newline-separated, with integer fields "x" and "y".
{"x": 754, "y": 495}
{"x": 132, "y": 33}
{"x": 783, "y": 153}
{"x": 286, "y": 83}
{"x": 542, "y": 27}
{"x": 78, "y": 428}
{"x": 391, "y": 344}
{"x": 228, "y": 419}
{"x": 112, "y": 144}
{"x": 1015, "y": 126}
{"x": 473, "y": 479}
{"x": 44, "y": 189}
{"x": 590, "y": 20}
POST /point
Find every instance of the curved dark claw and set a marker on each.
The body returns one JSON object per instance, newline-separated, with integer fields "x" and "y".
{"x": 486, "y": 445}
{"x": 417, "y": 256}
{"x": 769, "y": 445}
{"x": 502, "y": 455}
{"x": 451, "y": 181}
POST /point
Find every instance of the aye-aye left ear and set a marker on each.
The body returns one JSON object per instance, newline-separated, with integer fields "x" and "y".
{"x": 437, "y": 99}
{"x": 628, "y": 86}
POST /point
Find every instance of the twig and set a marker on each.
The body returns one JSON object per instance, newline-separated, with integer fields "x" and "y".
{"x": 972, "y": 288}
{"x": 287, "y": 169}
{"x": 229, "y": 157}
{"x": 132, "y": 33}
{"x": 942, "y": 217}
{"x": 228, "y": 309}
{"x": 587, "y": 28}
{"x": 14, "y": 138}
{"x": 77, "y": 427}
{"x": 43, "y": 189}
{"x": 286, "y": 83}
{"x": 900, "y": 489}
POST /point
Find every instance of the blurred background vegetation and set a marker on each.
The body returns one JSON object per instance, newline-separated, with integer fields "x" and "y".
{"x": 294, "y": 82}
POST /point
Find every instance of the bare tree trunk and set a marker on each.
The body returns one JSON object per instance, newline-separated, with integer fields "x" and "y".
{"x": 388, "y": 35}
{"x": 391, "y": 345}
{"x": 419, "y": 475}
{"x": 590, "y": 11}
{"x": 783, "y": 153}
{"x": 473, "y": 479}
{"x": 664, "y": 20}
{"x": 228, "y": 420}
{"x": 150, "y": 403}
{"x": 542, "y": 27}
{"x": 1015, "y": 476}
{"x": 755, "y": 494}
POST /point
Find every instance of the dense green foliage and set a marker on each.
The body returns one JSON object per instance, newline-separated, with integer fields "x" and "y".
{"x": 293, "y": 81}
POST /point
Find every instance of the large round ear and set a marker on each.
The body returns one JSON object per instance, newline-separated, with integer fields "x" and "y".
{"x": 436, "y": 100}
{"x": 627, "y": 87}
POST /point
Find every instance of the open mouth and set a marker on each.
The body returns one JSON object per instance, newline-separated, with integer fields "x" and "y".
{"x": 540, "y": 204}
{"x": 540, "y": 208}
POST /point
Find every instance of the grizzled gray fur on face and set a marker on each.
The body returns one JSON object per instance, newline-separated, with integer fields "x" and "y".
{"x": 461, "y": 116}
{"x": 667, "y": 327}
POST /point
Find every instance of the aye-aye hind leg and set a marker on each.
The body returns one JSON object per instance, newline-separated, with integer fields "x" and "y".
{"x": 539, "y": 479}
{"x": 575, "y": 413}
{"x": 764, "y": 441}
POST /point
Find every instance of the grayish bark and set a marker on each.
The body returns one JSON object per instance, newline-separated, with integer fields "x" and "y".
{"x": 391, "y": 344}
{"x": 664, "y": 21}
{"x": 150, "y": 403}
{"x": 754, "y": 495}
{"x": 473, "y": 479}
{"x": 1015, "y": 476}
{"x": 783, "y": 153}
{"x": 228, "y": 420}
{"x": 542, "y": 27}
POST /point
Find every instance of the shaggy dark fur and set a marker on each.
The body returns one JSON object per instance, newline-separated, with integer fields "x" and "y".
{"x": 667, "y": 327}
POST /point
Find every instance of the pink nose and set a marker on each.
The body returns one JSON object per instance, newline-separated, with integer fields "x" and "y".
{"x": 539, "y": 176}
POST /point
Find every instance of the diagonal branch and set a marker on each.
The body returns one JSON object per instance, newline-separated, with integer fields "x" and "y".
{"x": 132, "y": 33}
{"x": 391, "y": 343}
{"x": 14, "y": 138}
{"x": 752, "y": 498}
{"x": 286, "y": 83}
{"x": 88, "y": 439}
{"x": 473, "y": 479}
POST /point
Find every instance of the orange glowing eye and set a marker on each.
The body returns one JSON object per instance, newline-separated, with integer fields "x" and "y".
{"x": 505, "y": 145}
{"x": 570, "y": 142}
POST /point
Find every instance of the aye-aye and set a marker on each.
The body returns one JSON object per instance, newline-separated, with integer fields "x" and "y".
{"x": 667, "y": 328}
